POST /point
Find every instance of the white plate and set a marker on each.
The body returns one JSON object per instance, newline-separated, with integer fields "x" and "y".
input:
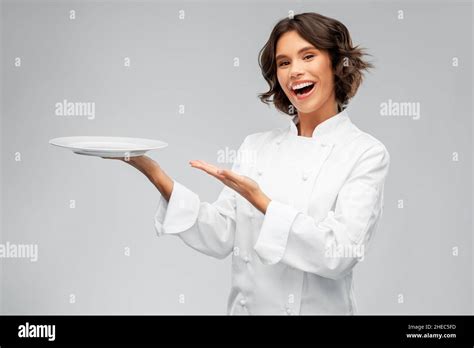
{"x": 108, "y": 146}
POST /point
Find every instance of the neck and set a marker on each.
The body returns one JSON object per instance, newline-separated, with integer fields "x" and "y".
{"x": 309, "y": 121}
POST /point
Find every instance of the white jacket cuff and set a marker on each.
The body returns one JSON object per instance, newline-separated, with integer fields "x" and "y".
{"x": 273, "y": 237}
{"x": 179, "y": 214}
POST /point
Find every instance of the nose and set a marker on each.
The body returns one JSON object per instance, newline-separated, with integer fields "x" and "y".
{"x": 295, "y": 70}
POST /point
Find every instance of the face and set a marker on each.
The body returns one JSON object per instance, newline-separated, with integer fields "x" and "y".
{"x": 311, "y": 65}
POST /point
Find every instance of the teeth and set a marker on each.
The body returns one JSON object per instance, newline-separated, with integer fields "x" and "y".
{"x": 301, "y": 85}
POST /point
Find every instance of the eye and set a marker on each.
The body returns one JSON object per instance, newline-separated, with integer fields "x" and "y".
{"x": 309, "y": 55}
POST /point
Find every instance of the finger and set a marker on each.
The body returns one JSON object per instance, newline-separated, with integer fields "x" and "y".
{"x": 232, "y": 176}
{"x": 199, "y": 165}
{"x": 208, "y": 168}
{"x": 207, "y": 165}
{"x": 216, "y": 172}
{"x": 227, "y": 177}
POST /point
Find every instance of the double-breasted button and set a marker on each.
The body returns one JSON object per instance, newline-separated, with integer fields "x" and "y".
{"x": 243, "y": 302}
{"x": 305, "y": 176}
{"x": 288, "y": 311}
{"x": 246, "y": 259}
{"x": 259, "y": 172}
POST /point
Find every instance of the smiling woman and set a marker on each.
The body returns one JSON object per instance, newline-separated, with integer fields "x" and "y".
{"x": 316, "y": 45}
{"x": 313, "y": 188}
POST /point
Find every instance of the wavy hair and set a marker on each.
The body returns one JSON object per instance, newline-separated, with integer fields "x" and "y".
{"x": 325, "y": 34}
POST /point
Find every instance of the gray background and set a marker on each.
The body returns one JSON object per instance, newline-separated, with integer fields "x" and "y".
{"x": 190, "y": 62}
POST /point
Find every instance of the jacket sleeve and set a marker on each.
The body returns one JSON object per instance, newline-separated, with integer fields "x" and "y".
{"x": 207, "y": 228}
{"x": 331, "y": 246}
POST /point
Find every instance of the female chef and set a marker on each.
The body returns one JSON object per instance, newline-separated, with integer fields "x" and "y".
{"x": 298, "y": 217}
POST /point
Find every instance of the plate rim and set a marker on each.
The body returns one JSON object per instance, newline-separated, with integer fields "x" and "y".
{"x": 159, "y": 144}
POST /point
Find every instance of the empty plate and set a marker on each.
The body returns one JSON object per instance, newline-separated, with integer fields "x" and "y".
{"x": 108, "y": 146}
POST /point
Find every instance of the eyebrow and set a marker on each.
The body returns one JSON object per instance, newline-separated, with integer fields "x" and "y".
{"x": 307, "y": 48}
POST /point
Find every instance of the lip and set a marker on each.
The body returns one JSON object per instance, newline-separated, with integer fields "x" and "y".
{"x": 301, "y": 97}
{"x": 298, "y": 82}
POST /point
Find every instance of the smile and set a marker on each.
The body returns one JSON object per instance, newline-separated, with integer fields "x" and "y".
{"x": 304, "y": 92}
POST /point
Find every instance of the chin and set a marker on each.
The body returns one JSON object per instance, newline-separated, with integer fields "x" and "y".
{"x": 309, "y": 108}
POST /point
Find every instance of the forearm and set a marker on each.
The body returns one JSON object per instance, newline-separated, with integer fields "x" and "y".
{"x": 154, "y": 173}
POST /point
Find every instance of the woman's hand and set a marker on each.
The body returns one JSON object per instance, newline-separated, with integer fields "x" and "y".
{"x": 136, "y": 161}
{"x": 242, "y": 184}
{"x": 152, "y": 171}
{"x": 124, "y": 159}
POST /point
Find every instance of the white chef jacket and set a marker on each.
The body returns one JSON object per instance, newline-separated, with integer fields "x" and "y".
{"x": 326, "y": 193}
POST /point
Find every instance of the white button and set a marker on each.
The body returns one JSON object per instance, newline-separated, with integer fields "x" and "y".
{"x": 246, "y": 259}
{"x": 278, "y": 141}
{"x": 243, "y": 302}
{"x": 288, "y": 311}
{"x": 259, "y": 172}
{"x": 305, "y": 176}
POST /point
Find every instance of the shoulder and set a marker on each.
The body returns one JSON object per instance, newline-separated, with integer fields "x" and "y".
{"x": 364, "y": 142}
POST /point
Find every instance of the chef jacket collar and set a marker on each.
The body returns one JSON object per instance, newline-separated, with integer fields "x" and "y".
{"x": 325, "y": 129}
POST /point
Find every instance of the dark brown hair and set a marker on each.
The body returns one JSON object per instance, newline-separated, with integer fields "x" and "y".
{"x": 325, "y": 34}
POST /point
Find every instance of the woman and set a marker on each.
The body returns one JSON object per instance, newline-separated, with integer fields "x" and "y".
{"x": 299, "y": 217}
